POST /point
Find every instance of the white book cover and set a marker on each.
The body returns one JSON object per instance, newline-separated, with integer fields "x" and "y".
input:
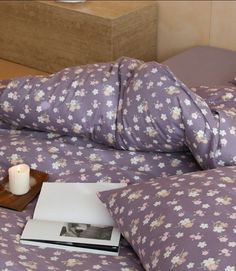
{"x": 71, "y": 216}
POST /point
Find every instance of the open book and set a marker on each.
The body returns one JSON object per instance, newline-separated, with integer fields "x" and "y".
{"x": 70, "y": 216}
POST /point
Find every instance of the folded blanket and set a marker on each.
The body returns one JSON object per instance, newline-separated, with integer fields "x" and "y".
{"x": 126, "y": 104}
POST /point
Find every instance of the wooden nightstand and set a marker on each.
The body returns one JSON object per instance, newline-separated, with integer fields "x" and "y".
{"x": 49, "y": 35}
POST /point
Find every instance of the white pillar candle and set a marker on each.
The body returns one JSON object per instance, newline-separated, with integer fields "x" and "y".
{"x": 19, "y": 179}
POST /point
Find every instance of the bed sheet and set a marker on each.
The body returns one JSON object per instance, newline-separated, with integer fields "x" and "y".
{"x": 67, "y": 158}
{"x": 72, "y": 159}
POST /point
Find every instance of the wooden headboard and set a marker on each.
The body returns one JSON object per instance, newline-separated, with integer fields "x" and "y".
{"x": 49, "y": 35}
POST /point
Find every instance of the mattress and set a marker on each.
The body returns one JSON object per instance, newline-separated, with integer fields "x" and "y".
{"x": 80, "y": 158}
{"x": 204, "y": 65}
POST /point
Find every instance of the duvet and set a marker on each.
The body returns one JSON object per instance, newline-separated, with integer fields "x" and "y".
{"x": 125, "y": 121}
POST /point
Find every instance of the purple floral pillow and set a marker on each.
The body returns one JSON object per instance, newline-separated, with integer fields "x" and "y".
{"x": 80, "y": 101}
{"x": 60, "y": 102}
{"x": 179, "y": 223}
{"x": 126, "y": 104}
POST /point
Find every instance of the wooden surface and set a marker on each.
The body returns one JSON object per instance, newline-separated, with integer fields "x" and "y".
{"x": 49, "y": 35}
{"x": 18, "y": 203}
{"x": 10, "y": 70}
{"x": 102, "y": 9}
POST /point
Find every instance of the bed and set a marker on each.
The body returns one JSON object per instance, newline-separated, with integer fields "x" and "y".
{"x": 85, "y": 154}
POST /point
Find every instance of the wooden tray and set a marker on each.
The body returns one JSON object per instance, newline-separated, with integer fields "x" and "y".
{"x": 18, "y": 203}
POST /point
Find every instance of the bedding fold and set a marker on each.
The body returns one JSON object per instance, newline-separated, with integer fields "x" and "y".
{"x": 126, "y": 104}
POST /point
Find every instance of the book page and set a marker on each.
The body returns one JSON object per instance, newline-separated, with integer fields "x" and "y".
{"x": 71, "y": 233}
{"x": 74, "y": 202}
{"x": 99, "y": 239}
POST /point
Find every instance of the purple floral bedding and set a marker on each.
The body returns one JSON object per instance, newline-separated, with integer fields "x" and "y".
{"x": 72, "y": 159}
{"x": 126, "y": 104}
{"x": 184, "y": 222}
{"x": 125, "y": 121}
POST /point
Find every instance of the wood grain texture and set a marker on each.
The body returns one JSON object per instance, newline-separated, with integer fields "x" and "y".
{"x": 136, "y": 34}
{"x": 18, "y": 203}
{"x": 49, "y": 35}
{"x": 10, "y": 70}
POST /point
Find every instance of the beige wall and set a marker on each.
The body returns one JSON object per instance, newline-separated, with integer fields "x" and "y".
{"x": 184, "y": 24}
